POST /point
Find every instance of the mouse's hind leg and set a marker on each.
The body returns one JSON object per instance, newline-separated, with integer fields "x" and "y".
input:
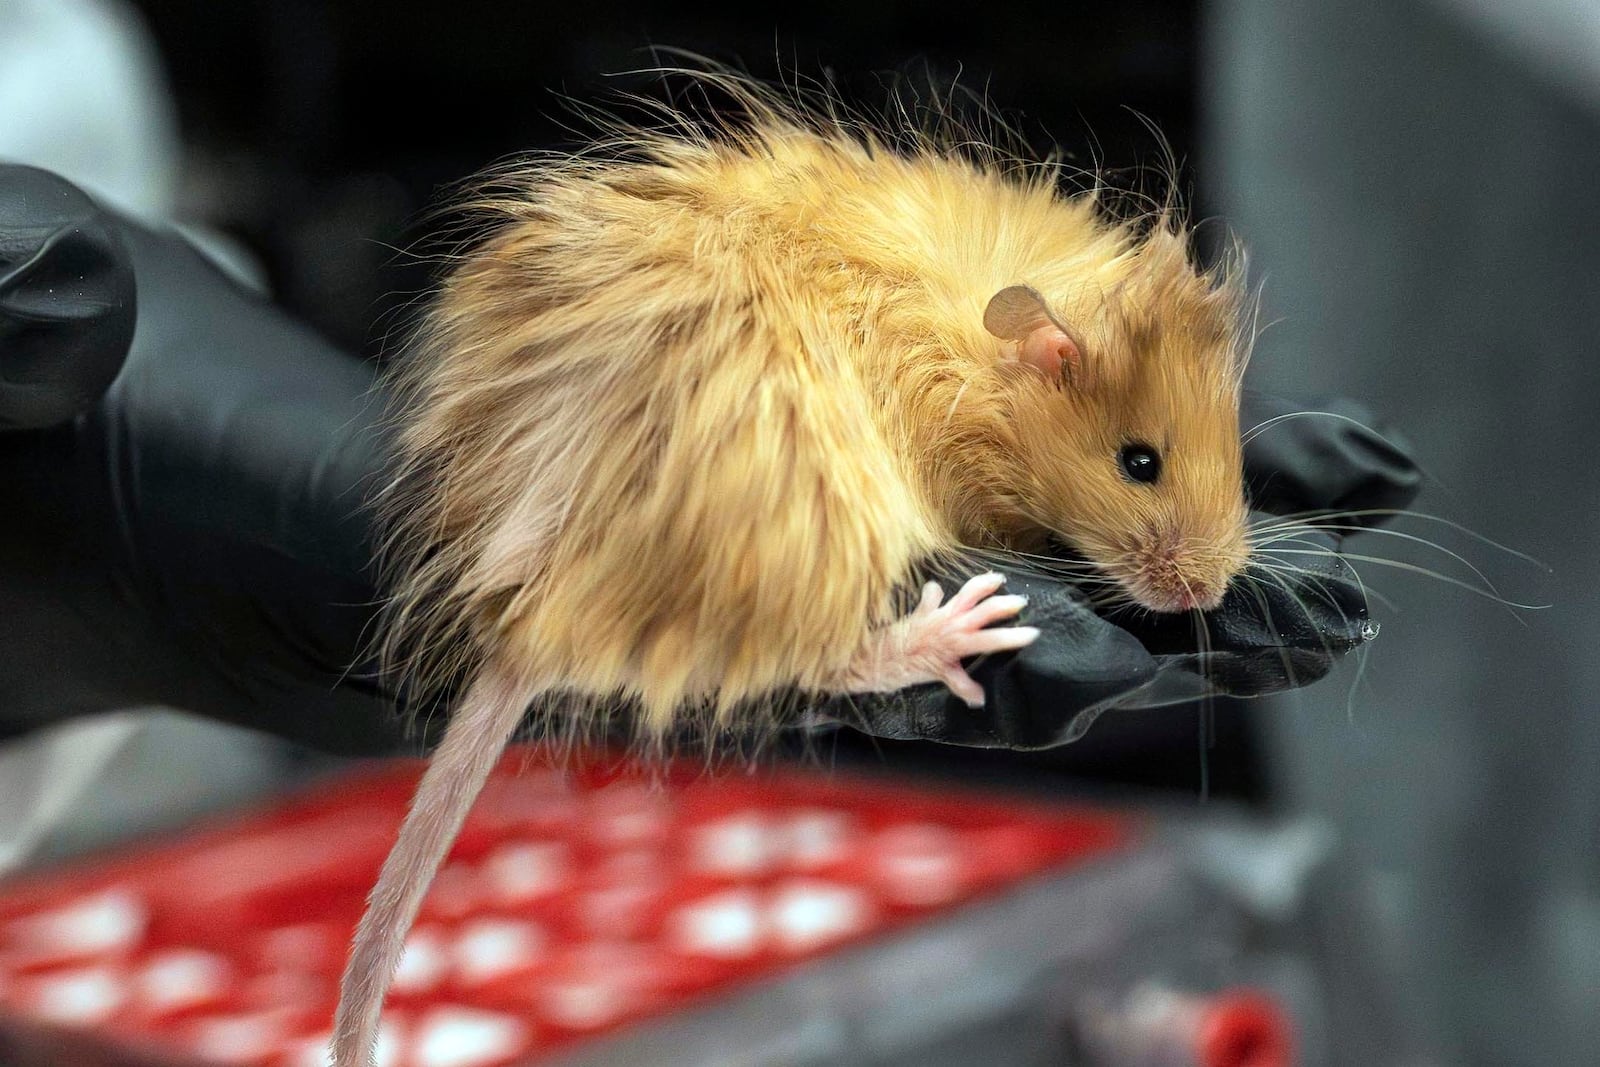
{"x": 929, "y": 644}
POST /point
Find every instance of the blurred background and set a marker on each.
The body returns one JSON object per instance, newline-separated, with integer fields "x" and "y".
{"x": 1414, "y": 181}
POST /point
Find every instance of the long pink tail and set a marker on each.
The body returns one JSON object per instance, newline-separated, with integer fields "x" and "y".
{"x": 482, "y": 726}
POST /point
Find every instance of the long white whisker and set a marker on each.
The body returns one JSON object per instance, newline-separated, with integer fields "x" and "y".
{"x": 1256, "y": 589}
{"x": 1261, "y": 427}
{"x": 1288, "y": 567}
{"x": 1400, "y": 535}
{"x": 1413, "y": 568}
{"x": 1280, "y": 521}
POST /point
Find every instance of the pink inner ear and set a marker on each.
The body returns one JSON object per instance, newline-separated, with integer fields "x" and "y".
{"x": 1047, "y": 348}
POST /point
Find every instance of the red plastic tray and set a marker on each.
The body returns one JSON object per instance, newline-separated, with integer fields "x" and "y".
{"x": 577, "y": 901}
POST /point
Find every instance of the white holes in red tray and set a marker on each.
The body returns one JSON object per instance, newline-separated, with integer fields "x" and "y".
{"x": 592, "y": 986}
{"x": 587, "y": 1005}
{"x": 243, "y": 1038}
{"x": 466, "y": 1037}
{"x": 299, "y": 990}
{"x": 920, "y": 864}
{"x": 489, "y": 949}
{"x": 806, "y": 914}
{"x": 617, "y": 896}
{"x": 303, "y": 947}
{"x": 388, "y": 1050}
{"x": 179, "y": 980}
{"x": 616, "y": 910}
{"x": 752, "y": 843}
{"x": 623, "y": 815}
{"x": 81, "y": 996}
{"x": 102, "y": 923}
{"x": 522, "y": 871}
{"x": 568, "y": 907}
{"x": 726, "y": 925}
{"x": 743, "y": 845}
{"x": 424, "y": 962}
{"x": 794, "y": 917}
{"x": 816, "y": 837}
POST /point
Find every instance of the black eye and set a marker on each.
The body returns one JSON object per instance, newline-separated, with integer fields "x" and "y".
{"x": 1140, "y": 463}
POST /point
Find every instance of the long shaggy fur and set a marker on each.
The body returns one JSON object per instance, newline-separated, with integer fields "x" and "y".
{"x": 680, "y": 425}
{"x": 693, "y": 405}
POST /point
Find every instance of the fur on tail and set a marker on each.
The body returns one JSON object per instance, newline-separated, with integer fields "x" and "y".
{"x": 485, "y": 722}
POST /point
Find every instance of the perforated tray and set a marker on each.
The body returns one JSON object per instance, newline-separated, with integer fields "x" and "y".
{"x": 577, "y": 903}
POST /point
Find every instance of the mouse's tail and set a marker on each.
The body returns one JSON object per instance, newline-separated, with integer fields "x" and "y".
{"x": 483, "y": 724}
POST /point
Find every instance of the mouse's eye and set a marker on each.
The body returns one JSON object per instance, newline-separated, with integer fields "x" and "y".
{"x": 1140, "y": 463}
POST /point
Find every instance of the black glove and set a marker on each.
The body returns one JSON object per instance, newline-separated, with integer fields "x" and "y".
{"x": 193, "y": 535}
{"x": 1271, "y": 632}
{"x": 196, "y": 536}
{"x": 66, "y": 301}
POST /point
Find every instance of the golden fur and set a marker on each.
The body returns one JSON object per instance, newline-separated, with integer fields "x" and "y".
{"x": 680, "y": 428}
{"x": 682, "y": 425}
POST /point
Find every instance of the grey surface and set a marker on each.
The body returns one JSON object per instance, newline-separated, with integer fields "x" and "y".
{"x": 1003, "y": 982}
{"x": 1419, "y": 192}
{"x": 98, "y": 782}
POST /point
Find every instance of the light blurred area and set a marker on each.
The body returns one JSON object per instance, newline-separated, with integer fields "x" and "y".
{"x": 85, "y": 95}
{"x": 1406, "y": 855}
{"x": 1416, "y": 185}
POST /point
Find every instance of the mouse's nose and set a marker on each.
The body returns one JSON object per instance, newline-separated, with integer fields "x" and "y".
{"x": 1183, "y": 573}
{"x": 1200, "y": 595}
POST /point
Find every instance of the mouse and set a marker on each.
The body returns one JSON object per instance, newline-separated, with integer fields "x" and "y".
{"x": 694, "y": 408}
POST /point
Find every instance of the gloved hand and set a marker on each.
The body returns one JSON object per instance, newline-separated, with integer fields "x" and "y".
{"x": 192, "y": 535}
{"x": 1273, "y": 631}
{"x": 1269, "y": 634}
{"x": 196, "y": 536}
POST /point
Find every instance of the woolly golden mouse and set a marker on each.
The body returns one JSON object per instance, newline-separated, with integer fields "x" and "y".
{"x": 681, "y": 428}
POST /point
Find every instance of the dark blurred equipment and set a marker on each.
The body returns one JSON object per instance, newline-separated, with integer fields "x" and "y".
{"x": 609, "y": 916}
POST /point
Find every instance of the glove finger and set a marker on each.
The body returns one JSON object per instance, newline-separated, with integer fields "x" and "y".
{"x": 1329, "y": 455}
{"x": 66, "y": 300}
{"x": 1281, "y": 626}
{"x": 1035, "y": 697}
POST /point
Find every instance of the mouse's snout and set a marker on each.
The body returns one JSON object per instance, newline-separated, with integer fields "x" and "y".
{"x": 1171, "y": 572}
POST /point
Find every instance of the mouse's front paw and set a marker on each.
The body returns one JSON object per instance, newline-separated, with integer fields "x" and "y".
{"x": 929, "y": 644}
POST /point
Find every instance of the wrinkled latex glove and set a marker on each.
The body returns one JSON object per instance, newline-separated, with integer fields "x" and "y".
{"x": 195, "y": 535}
{"x": 66, "y": 302}
{"x": 1273, "y": 631}
{"x": 191, "y": 535}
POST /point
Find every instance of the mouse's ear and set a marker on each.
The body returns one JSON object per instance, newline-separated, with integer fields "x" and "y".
{"x": 1019, "y": 313}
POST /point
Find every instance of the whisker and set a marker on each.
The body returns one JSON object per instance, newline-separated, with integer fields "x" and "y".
{"x": 1288, "y": 567}
{"x": 1401, "y": 535}
{"x": 1207, "y": 709}
{"x": 1413, "y": 568}
{"x": 1362, "y": 513}
{"x": 1266, "y": 424}
{"x": 1256, "y": 590}
{"x": 1365, "y": 650}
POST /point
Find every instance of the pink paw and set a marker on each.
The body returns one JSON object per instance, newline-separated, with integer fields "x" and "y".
{"x": 929, "y": 644}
